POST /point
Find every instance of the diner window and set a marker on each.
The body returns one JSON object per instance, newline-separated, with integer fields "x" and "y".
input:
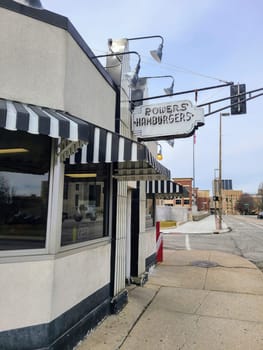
{"x": 85, "y": 213}
{"x": 149, "y": 219}
{"x": 24, "y": 187}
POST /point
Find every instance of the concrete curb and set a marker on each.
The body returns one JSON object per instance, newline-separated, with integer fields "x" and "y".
{"x": 228, "y": 229}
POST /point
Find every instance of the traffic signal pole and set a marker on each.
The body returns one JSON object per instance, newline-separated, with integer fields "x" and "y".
{"x": 220, "y": 174}
{"x": 220, "y": 203}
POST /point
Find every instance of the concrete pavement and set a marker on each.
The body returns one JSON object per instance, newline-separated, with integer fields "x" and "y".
{"x": 206, "y": 225}
{"x": 194, "y": 300}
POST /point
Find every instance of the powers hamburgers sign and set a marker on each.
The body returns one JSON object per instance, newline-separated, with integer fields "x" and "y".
{"x": 166, "y": 120}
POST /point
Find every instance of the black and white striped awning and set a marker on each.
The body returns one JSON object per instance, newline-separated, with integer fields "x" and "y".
{"x": 83, "y": 142}
{"x": 132, "y": 160}
{"x": 164, "y": 188}
{"x": 39, "y": 120}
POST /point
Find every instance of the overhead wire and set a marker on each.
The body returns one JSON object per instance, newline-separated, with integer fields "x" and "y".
{"x": 168, "y": 67}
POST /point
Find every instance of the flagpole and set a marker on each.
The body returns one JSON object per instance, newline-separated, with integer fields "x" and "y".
{"x": 194, "y": 160}
{"x": 194, "y": 141}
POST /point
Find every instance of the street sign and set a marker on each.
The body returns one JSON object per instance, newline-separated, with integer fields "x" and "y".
{"x": 177, "y": 119}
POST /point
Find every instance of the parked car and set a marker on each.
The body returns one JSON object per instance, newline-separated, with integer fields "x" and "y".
{"x": 88, "y": 211}
{"x": 91, "y": 212}
{"x": 260, "y": 215}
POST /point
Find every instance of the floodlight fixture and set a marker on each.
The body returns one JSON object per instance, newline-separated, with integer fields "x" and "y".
{"x": 168, "y": 90}
{"x": 31, "y": 3}
{"x": 135, "y": 76}
{"x": 156, "y": 54}
{"x": 138, "y": 89}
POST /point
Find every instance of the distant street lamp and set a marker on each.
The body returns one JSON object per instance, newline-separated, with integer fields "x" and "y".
{"x": 220, "y": 169}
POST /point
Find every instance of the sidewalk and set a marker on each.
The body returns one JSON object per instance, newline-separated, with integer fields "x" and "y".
{"x": 194, "y": 300}
{"x": 206, "y": 225}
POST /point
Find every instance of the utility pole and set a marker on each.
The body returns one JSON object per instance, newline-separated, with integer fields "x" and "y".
{"x": 215, "y": 193}
{"x": 220, "y": 170}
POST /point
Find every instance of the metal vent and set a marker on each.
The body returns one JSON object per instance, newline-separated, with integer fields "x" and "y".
{"x": 32, "y": 3}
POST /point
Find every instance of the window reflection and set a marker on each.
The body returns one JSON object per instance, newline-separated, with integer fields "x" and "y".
{"x": 84, "y": 213}
{"x": 149, "y": 220}
{"x": 23, "y": 190}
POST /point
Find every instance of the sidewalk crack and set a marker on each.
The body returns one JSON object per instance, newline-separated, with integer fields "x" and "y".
{"x": 201, "y": 303}
{"x": 139, "y": 317}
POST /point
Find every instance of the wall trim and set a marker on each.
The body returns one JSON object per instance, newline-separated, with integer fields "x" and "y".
{"x": 65, "y": 331}
{"x": 150, "y": 261}
{"x": 87, "y": 245}
{"x": 119, "y": 301}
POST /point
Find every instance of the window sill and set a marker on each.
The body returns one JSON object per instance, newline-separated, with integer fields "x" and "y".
{"x": 14, "y": 256}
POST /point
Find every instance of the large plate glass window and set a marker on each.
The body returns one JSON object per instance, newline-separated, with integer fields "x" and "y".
{"x": 24, "y": 186}
{"x": 85, "y": 198}
{"x": 150, "y": 211}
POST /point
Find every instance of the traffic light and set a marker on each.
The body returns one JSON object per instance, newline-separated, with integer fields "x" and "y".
{"x": 238, "y": 103}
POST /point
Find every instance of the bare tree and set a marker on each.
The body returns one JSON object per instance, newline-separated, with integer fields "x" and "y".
{"x": 260, "y": 189}
{"x": 4, "y": 198}
{"x": 246, "y": 204}
{"x": 260, "y": 196}
{"x": 4, "y": 190}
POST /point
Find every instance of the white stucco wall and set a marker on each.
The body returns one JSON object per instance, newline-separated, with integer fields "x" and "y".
{"x": 147, "y": 238}
{"x": 43, "y": 65}
{"x": 87, "y": 94}
{"x": 26, "y": 293}
{"x": 79, "y": 275}
{"x": 35, "y": 292}
{"x": 147, "y": 247}
{"x": 32, "y": 60}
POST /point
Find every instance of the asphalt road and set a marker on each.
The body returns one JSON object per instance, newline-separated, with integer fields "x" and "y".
{"x": 245, "y": 239}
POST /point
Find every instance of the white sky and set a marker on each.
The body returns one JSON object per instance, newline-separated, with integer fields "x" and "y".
{"x": 221, "y": 39}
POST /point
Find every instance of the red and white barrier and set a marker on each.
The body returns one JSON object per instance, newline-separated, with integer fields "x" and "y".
{"x": 159, "y": 243}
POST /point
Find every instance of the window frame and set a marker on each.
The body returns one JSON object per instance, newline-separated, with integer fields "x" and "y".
{"x": 54, "y": 214}
{"x": 12, "y": 253}
{"x": 108, "y": 183}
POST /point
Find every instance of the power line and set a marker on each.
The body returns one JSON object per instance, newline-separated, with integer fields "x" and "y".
{"x": 184, "y": 70}
{"x": 178, "y": 68}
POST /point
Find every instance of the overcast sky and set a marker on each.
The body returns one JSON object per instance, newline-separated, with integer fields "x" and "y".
{"x": 205, "y": 41}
